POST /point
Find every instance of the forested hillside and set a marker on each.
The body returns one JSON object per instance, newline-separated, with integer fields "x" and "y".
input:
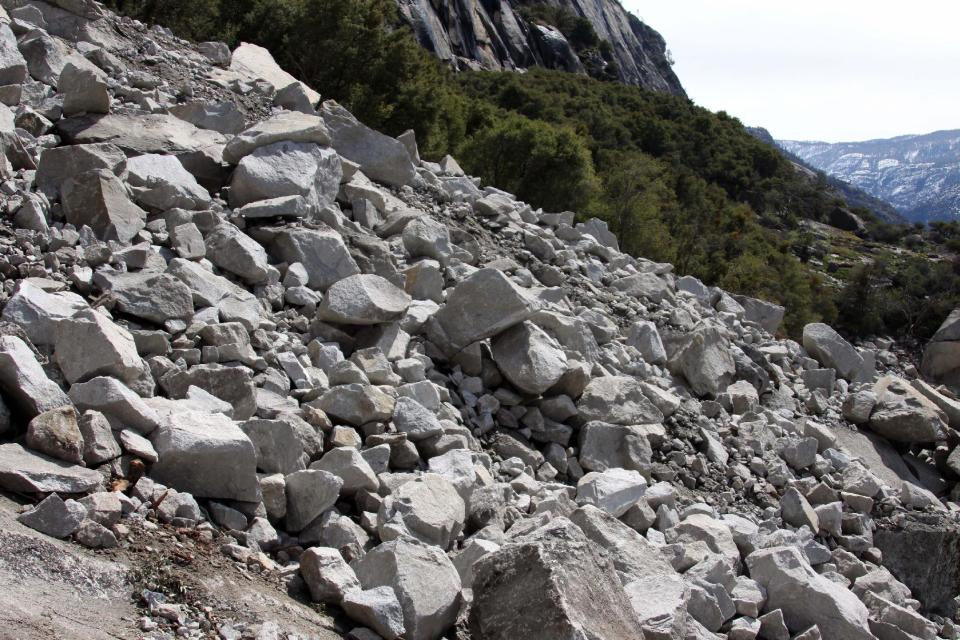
{"x": 676, "y": 182}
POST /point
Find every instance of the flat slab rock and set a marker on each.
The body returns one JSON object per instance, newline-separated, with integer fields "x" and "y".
{"x": 24, "y": 471}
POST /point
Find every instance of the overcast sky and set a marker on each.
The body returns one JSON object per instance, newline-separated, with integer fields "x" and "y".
{"x": 833, "y": 70}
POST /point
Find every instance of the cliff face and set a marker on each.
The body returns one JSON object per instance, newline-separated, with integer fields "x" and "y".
{"x": 492, "y": 34}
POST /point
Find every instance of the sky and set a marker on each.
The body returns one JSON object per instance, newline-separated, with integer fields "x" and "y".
{"x": 830, "y": 70}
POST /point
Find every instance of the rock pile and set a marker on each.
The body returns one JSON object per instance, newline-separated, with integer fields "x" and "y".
{"x": 440, "y": 410}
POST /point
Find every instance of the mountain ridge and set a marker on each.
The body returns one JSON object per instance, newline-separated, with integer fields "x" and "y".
{"x": 917, "y": 174}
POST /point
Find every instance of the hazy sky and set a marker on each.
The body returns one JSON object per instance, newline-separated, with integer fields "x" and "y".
{"x": 834, "y": 70}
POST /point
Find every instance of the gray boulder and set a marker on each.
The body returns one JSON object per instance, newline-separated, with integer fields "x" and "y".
{"x": 424, "y": 580}
{"x": 321, "y": 251}
{"x": 805, "y": 597}
{"x": 766, "y": 314}
{"x": 377, "y": 608}
{"x": 99, "y": 444}
{"x": 277, "y": 445}
{"x": 831, "y": 350}
{"x": 13, "y": 67}
{"x": 363, "y": 299}
{"x": 482, "y": 305}
{"x": 90, "y": 345}
{"x": 38, "y": 312}
{"x": 327, "y": 574}
{"x": 903, "y": 414}
{"x": 98, "y": 199}
{"x": 59, "y": 164}
{"x": 223, "y": 117}
{"x": 24, "y": 381}
{"x": 705, "y": 361}
{"x": 84, "y": 90}
{"x": 614, "y": 490}
{"x": 232, "y": 250}
{"x": 534, "y": 586}
{"x": 347, "y": 464}
{"x": 54, "y": 517}
{"x": 162, "y": 183}
{"x": 206, "y": 455}
{"x": 529, "y": 358}
{"x": 309, "y": 494}
{"x": 380, "y": 157}
{"x": 156, "y": 297}
{"x": 287, "y": 169}
{"x": 24, "y": 471}
{"x": 233, "y": 385}
{"x": 643, "y": 335}
{"x": 109, "y": 396}
{"x": 357, "y": 404}
{"x": 428, "y": 508}
{"x": 617, "y": 400}
{"x": 286, "y": 126}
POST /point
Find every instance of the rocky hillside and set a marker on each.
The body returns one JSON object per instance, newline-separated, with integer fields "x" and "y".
{"x": 498, "y": 35}
{"x": 268, "y": 374}
{"x": 919, "y": 175}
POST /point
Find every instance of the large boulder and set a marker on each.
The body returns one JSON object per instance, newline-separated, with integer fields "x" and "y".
{"x": 287, "y": 169}
{"x": 24, "y": 381}
{"x": 551, "y": 583}
{"x": 357, "y": 404}
{"x": 89, "y": 345}
{"x": 933, "y": 578}
{"x": 830, "y": 349}
{"x": 233, "y": 385}
{"x": 655, "y": 589}
{"x": 643, "y": 285}
{"x": 617, "y": 400}
{"x": 199, "y": 150}
{"x": 941, "y": 357}
{"x": 13, "y": 67}
{"x": 380, "y": 157}
{"x": 529, "y": 358}
{"x": 766, "y": 314}
{"x": 84, "y": 90}
{"x": 38, "y": 312}
{"x": 705, "y": 361}
{"x": 310, "y": 493}
{"x": 428, "y": 508}
{"x": 286, "y": 126}
{"x": 482, "y": 305}
{"x": 207, "y": 455}
{"x": 24, "y": 471}
{"x": 322, "y": 252}
{"x": 363, "y": 299}
{"x": 807, "y": 598}
{"x": 232, "y": 250}
{"x": 149, "y": 295}
{"x": 253, "y": 62}
{"x": 59, "y": 164}
{"x": 124, "y": 408}
{"x": 98, "y": 199}
{"x": 57, "y": 434}
{"x": 425, "y": 582}
{"x": 162, "y": 183}
{"x": 903, "y": 414}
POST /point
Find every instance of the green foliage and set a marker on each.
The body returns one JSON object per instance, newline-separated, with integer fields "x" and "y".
{"x": 541, "y": 163}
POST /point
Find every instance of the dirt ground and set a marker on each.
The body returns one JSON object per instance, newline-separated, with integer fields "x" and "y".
{"x": 58, "y": 589}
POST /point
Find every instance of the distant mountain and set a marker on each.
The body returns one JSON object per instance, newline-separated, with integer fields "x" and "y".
{"x": 498, "y": 35}
{"x": 852, "y": 195}
{"x": 919, "y": 175}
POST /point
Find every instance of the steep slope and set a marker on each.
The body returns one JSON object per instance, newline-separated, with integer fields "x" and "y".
{"x": 852, "y": 195}
{"x": 917, "y": 174}
{"x": 494, "y": 35}
{"x": 269, "y": 359}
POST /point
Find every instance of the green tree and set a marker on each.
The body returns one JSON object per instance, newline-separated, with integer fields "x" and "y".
{"x": 546, "y": 165}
